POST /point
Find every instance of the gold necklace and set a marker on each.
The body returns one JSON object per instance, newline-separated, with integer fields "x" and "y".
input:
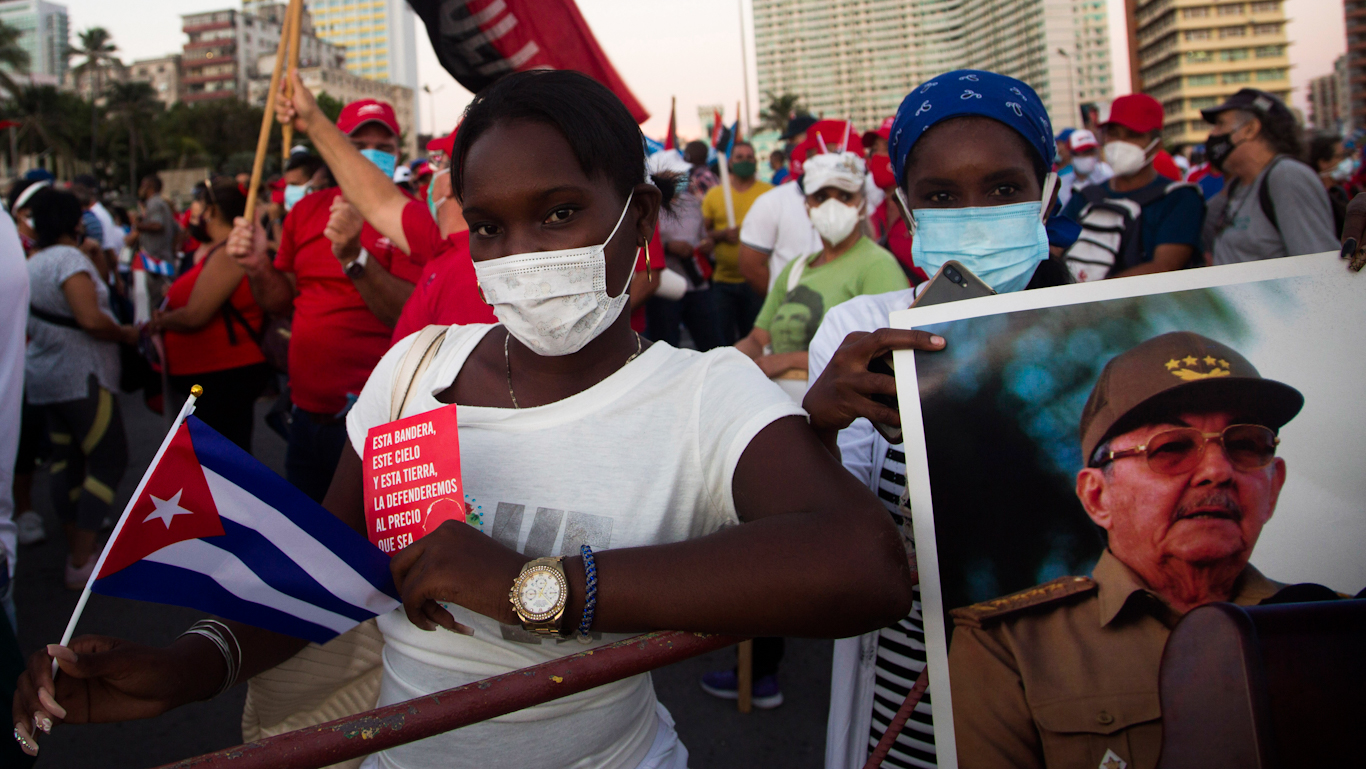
{"x": 507, "y": 360}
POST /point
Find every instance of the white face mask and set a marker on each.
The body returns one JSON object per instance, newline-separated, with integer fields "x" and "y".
{"x": 1084, "y": 164}
{"x": 554, "y": 302}
{"x": 834, "y": 220}
{"x": 1127, "y": 159}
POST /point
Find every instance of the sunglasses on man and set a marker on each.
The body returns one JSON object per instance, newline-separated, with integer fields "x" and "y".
{"x": 1175, "y": 452}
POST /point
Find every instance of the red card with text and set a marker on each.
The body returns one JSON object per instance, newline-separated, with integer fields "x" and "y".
{"x": 412, "y": 478}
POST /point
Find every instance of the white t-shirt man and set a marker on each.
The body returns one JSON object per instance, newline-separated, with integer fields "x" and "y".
{"x": 644, "y": 457}
{"x": 14, "y": 296}
{"x": 777, "y": 224}
{"x": 113, "y": 234}
{"x": 872, "y": 673}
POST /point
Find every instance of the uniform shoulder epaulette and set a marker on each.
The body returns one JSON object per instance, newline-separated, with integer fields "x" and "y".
{"x": 1054, "y": 590}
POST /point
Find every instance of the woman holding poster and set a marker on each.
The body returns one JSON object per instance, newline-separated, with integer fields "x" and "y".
{"x": 604, "y": 476}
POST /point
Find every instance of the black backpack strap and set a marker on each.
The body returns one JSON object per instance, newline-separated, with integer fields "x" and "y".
{"x": 53, "y": 318}
{"x": 230, "y": 315}
{"x": 1264, "y": 193}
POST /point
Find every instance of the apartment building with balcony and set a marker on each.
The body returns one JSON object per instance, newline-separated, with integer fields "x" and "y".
{"x": 1193, "y": 54}
{"x": 223, "y": 47}
{"x": 1355, "y": 110}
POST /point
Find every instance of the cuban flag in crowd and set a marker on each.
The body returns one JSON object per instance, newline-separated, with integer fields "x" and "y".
{"x": 155, "y": 266}
{"x": 215, "y": 530}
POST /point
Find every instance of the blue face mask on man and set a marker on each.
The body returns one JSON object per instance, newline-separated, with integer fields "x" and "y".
{"x": 293, "y": 194}
{"x": 385, "y": 161}
{"x": 1002, "y": 245}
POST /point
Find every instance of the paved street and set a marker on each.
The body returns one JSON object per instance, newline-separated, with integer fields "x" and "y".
{"x": 717, "y": 736}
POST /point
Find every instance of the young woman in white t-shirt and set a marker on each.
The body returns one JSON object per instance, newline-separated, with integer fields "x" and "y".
{"x": 573, "y": 431}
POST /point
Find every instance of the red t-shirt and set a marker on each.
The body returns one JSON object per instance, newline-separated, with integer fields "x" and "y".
{"x": 335, "y": 340}
{"x": 189, "y": 245}
{"x": 211, "y": 348}
{"x": 447, "y": 293}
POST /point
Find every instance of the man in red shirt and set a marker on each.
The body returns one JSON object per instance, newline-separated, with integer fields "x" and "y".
{"x": 345, "y": 285}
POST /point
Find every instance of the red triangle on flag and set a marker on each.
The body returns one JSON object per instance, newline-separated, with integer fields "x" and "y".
{"x": 175, "y": 505}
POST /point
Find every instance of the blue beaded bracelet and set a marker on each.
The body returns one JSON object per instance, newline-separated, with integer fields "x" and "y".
{"x": 590, "y": 598}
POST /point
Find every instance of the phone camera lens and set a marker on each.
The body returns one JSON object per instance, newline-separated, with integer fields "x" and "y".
{"x": 954, "y": 275}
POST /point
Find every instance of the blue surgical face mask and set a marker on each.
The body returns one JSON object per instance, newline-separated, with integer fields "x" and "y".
{"x": 1002, "y": 245}
{"x": 384, "y": 160}
{"x": 293, "y": 194}
{"x": 433, "y": 204}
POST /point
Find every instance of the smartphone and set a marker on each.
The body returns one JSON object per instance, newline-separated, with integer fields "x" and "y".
{"x": 952, "y": 283}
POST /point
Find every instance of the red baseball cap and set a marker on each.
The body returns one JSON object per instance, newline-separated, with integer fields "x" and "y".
{"x": 1136, "y": 112}
{"x": 443, "y": 144}
{"x": 884, "y": 130}
{"x": 364, "y": 112}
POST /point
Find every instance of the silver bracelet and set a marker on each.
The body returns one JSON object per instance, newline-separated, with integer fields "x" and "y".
{"x": 218, "y": 634}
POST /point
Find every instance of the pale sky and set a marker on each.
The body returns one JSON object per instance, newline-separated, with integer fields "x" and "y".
{"x": 684, "y": 48}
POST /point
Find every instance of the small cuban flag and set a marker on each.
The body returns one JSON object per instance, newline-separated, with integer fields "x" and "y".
{"x": 214, "y": 529}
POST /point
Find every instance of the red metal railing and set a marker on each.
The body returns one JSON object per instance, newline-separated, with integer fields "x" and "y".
{"x": 423, "y": 717}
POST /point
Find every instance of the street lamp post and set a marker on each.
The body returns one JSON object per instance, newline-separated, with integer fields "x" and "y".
{"x": 431, "y": 105}
{"x": 1071, "y": 85}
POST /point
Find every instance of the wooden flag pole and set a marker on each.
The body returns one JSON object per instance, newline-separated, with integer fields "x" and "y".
{"x": 263, "y": 139}
{"x": 294, "y": 21}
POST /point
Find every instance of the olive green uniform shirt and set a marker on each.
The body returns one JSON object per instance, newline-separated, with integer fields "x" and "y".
{"x": 1065, "y": 674}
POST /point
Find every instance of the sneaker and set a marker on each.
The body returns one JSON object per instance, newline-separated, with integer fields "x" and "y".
{"x": 724, "y": 684}
{"x": 31, "y": 531}
{"x": 76, "y": 579}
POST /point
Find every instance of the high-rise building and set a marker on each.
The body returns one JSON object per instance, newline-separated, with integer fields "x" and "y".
{"x": 223, "y": 48}
{"x": 1193, "y": 55}
{"x": 1356, "y": 62}
{"x": 858, "y": 58}
{"x": 43, "y": 33}
{"x": 1329, "y": 97}
{"x": 380, "y": 36}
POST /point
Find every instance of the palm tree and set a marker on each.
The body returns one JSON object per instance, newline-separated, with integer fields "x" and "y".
{"x": 136, "y": 103}
{"x": 13, "y": 58}
{"x": 780, "y": 109}
{"x": 97, "y": 47}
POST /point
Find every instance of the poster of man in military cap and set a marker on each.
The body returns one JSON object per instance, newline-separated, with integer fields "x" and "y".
{"x": 1088, "y": 464}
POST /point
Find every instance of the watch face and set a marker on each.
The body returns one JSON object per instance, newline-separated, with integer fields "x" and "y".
{"x": 540, "y": 592}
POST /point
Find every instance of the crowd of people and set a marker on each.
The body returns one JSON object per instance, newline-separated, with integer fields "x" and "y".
{"x": 568, "y": 266}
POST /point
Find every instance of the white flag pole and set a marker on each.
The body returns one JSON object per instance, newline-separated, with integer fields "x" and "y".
{"x": 721, "y": 163}
{"x": 185, "y": 411}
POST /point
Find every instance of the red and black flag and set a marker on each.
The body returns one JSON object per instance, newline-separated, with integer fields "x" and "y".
{"x": 479, "y": 41}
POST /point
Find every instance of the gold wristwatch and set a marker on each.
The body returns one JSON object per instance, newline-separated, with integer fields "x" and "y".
{"x": 539, "y": 594}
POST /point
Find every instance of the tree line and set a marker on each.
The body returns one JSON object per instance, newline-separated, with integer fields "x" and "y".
{"x": 120, "y": 131}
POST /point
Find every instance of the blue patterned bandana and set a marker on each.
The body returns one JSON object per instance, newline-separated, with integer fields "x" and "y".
{"x": 970, "y": 92}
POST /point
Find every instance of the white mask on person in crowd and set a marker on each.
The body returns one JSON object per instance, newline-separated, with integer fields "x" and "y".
{"x": 1127, "y": 159}
{"x": 834, "y": 220}
{"x": 1084, "y": 165}
{"x": 1343, "y": 170}
{"x": 554, "y": 302}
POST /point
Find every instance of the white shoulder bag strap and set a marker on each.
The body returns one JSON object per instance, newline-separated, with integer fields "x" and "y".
{"x": 415, "y": 363}
{"x": 794, "y": 277}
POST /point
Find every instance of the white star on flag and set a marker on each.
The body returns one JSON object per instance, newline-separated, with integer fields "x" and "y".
{"x": 166, "y": 509}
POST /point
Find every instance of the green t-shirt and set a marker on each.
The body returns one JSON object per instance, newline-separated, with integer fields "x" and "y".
{"x": 792, "y": 319}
